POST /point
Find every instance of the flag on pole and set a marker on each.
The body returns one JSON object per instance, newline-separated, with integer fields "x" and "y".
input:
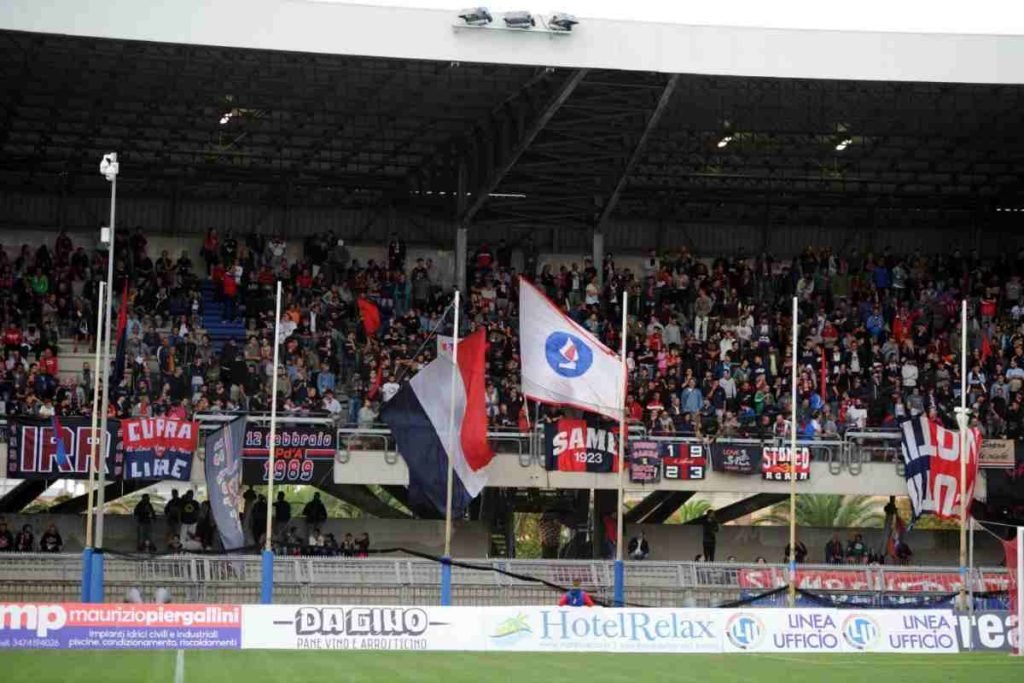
{"x": 931, "y": 461}
{"x": 224, "y": 481}
{"x": 61, "y": 453}
{"x": 563, "y": 363}
{"x": 119, "y": 340}
{"x": 418, "y": 417}
{"x": 370, "y": 314}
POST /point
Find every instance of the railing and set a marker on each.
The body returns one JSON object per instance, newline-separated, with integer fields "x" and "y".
{"x": 846, "y": 455}
{"x": 202, "y": 578}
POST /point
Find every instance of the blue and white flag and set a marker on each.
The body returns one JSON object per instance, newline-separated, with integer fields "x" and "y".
{"x": 563, "y": 363}
{"x": 224, "y": 481}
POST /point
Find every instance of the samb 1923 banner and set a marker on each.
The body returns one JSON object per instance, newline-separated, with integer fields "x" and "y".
{"x": 304, "y": 454}
{"x": 32, "y": 449}
{"x": 158, "y": 448}
{"x": 590, "y": 445}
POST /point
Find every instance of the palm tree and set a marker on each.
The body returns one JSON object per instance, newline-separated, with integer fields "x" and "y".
{"x": 691, "y": 509}
{"x": 828, "y": 511}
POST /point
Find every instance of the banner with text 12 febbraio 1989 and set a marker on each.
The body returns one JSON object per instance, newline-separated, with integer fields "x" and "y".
{"x": 304, "y": 454}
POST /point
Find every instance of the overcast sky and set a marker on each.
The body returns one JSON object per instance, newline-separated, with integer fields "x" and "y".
{"x": 928, "y": 16}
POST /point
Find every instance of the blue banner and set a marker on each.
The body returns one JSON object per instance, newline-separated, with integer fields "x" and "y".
{"x": 224, "y": 481}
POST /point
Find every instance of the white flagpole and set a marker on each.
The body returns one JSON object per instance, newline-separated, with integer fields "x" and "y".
{"x": 95, "y": 418}
{"x": 619, "y": 568}
{"x": 267, "y": 560}
{"x": 451, "y": 434}
{"x": 1020, "y": 591}
{"x": 272, "y": 436}
{"x": 792, "y": 465}
{"x": 962, "y": 419}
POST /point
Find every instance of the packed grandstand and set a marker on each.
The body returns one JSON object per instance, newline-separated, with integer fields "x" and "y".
{"x": 707, "y": 351}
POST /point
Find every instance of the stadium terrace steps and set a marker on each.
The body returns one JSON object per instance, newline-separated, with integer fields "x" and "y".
{"x": 218, "y": 330}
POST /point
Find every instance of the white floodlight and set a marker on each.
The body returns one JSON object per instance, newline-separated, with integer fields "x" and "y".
{"x": 519, "y": 20}
{"x": 476, "y": 16}
{"x": 562, "y": 22}
{"x": 109, "y": 166}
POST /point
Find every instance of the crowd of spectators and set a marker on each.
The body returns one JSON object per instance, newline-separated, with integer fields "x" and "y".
{"x": 708, "y": 345}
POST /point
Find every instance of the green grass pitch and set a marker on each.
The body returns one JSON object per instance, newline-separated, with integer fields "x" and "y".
{"x": 388, "y": 667}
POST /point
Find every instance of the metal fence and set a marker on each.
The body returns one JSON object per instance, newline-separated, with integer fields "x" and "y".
{"x": 413, "y": 581}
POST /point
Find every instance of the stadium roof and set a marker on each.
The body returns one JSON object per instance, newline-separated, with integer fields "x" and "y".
{"x": 565, "y": 142}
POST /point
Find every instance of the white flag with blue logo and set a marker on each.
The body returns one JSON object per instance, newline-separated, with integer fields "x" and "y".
{"x": 562, "y": 362}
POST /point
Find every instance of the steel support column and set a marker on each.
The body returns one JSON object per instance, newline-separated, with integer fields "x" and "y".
{"x": 484, "y": 189}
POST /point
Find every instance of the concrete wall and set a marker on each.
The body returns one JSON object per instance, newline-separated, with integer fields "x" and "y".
{"x": 747, "y": 543}
{"x": 469, "y": 539}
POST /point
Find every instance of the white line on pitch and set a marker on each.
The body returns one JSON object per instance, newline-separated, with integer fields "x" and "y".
{"x": 179, "y": 667}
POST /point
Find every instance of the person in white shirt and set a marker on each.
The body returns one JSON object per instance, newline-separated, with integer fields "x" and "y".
{"x": 728, "y": 384}
{"x": 672, "y": 334}
{"x": 909, "y": 373}
{"x": 389, "y": 389}
{"x": 287, "y": 328}
{"x": 331, "y": 404}
{"x": 857, "y": 415}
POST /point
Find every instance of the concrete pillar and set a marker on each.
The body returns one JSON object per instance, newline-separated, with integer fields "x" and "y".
{"x": 461, "y": 235}
{"x": 604, "y": 505}
{"x": 598, "y": 256}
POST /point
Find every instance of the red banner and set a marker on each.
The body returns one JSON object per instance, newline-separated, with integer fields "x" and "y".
{"x": 863, "y": 579}
{"x": 158, "y": 448}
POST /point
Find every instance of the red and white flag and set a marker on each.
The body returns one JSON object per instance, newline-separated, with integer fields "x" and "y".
{"x": 931, "y": 460}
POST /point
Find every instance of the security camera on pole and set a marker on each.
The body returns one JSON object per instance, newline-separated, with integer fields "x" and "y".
{"x": 109, "y": 168}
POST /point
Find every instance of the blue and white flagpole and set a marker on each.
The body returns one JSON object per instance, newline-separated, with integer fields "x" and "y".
{"x": 446, "y": 566}
{"x": 90, "y": 487}
{"x": 620, "y": 568}
{"x": 109, "y": 168}
{"x": 267, "y": 574}
{"x": 792, "y": 461}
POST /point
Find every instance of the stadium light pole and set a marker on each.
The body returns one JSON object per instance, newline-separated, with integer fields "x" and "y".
{"x": 109, "y": 168}
{"x": 446, "y": 565}
{"x": 792, "y": 464}
{"x": 267, "y": 566}
{"x": 90, "y": 487}
{"x": 620, "y": 568}
{"x": 963, "y": 422}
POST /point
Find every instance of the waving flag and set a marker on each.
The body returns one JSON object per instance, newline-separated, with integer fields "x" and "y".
{"x": 119, "y": 340}
{"x": 418, "y": 416}
{"x": 931, "y": 461}
{"x": 370, "y": 314}
{"x": 562, "y": 362}
{"x": 61, "y": 453}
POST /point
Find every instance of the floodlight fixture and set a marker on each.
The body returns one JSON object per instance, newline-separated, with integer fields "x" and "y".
{"x": 846, "y": 142}
{"x": 562, "y": 21}
{"x": 523, "y": 20}
{"x": 724, "y": 142}
{"x": 109, "y": 166}
{"x": 476, "y": 16}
